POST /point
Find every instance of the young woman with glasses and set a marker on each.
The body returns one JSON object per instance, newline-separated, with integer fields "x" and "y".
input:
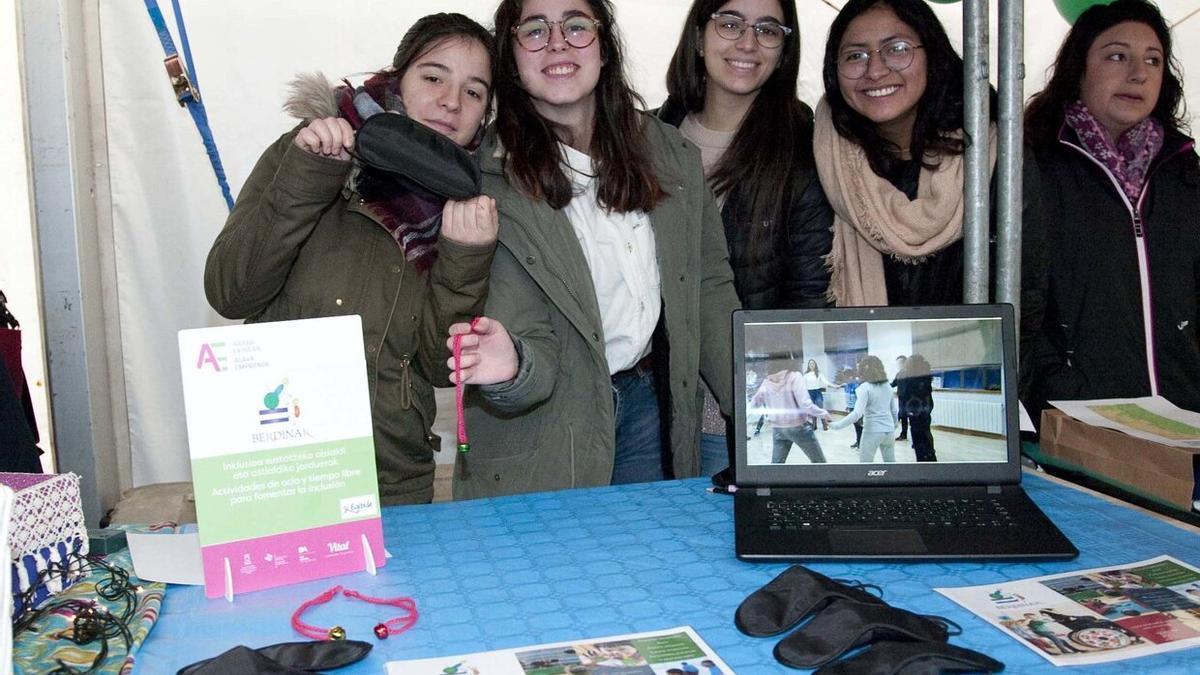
{"x": 611, "y": 289}
{"x": 732, "y": 92}
{"x": 315, "y": 232}
{"x": 889, "y": 145}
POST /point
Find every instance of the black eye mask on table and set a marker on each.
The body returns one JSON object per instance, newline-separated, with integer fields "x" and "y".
{"x": 398, "y": 145}
{"x": 844, "y": 625}
{"x": 913, "y": 658}
{"x": 287, "y": 658}
{"x": 790, "y": 597}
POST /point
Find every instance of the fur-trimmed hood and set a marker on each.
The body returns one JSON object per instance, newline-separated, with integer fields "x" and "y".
{"x": 311, "y": 96}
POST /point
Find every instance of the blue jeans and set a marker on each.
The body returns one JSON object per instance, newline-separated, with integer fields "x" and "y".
{"x": 639, "y": 447}
{"x": 714, "y": 453}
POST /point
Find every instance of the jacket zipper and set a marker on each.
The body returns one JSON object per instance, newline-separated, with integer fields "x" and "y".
{"x": 1139, "y": 232}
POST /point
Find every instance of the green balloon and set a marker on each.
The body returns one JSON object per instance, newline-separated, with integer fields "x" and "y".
{"x": 1071, "y": 9}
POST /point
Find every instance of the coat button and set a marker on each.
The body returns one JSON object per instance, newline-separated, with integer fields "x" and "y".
{"x": 496, "y": 477}
{"x": 595, "y": 337}
{"x": 395, "y": 269}
{"x": 530, "y": 259}
{"x": 371, "y": 349}
{"x": 680, "y": 187}
{"x": 682, "y": 277}
{"x": 338, "y": 302}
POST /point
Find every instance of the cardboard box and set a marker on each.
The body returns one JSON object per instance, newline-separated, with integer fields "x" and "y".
{"x": 1163, "y": 473}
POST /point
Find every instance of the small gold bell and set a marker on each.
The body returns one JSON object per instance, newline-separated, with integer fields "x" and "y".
{"x": 337, "y": 633}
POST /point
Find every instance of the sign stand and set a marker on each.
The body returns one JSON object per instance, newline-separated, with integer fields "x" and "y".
{"x": 283, "y": 453}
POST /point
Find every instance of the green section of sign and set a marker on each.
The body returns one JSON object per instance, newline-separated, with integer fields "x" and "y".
{"x": 1166, "y": 573}
{"x": 667, "y": 648}
{"x": 257, "y": 494}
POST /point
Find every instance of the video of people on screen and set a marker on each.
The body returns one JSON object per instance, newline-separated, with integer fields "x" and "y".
{"x": 878, "y": 392}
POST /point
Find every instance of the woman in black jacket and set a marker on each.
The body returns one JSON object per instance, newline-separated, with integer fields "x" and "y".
{"x": 1111, "y": 243}
{"x": 732, "y": 92}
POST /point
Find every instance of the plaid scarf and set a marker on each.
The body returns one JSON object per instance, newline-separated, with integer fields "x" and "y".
{"x": 412, "y": 215}
{"x": 1129, "y": 157}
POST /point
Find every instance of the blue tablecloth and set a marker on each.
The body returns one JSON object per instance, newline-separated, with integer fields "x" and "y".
{"x": 498, "y": 573}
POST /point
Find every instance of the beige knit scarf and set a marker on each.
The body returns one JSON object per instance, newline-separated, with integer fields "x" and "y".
{"x": 873, "y": 219}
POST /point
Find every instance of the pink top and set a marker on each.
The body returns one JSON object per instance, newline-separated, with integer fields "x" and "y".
{"x": 786, "y": 400}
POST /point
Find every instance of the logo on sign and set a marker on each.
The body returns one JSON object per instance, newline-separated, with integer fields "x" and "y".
{"x": 211, "y": 354}
{"x": 359, "y": 507}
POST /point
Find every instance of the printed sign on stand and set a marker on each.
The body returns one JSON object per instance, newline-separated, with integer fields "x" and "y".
{"x": 283, "y": 458}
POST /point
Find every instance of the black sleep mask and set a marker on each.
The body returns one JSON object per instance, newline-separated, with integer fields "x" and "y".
{"x": 913, "y": 658}
{"x": 286, "y": 658}
{"x": 395, "y": 144}
{"x": 844, "y": 625}
{"x": 790, "y": 597}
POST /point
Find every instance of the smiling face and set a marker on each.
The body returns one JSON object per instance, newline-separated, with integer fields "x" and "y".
{"x": 1124, "y": 76}
{"x": 446, "y": 88}
{"x": 560, "y": 79}
{"x": 887, "y": 97}
{"x": 741, "y": 67}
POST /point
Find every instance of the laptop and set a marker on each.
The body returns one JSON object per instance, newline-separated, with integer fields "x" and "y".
{"x": 951, "y": 490}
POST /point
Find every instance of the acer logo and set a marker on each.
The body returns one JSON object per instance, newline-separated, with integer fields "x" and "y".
{"x": 876, "y": 472}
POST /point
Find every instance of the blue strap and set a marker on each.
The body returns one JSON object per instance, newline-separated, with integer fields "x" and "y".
{"x": 193, "y": 103}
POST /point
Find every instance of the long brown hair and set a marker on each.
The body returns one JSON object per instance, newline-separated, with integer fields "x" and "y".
{"x": 620, "y": 152}
{"x": 1047, "y": 109}
{"x": 940, "y": 109}
{"x": 773, "y": 144}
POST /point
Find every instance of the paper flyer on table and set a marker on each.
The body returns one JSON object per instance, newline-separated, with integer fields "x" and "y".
{"x": 1095, "y": 616}
{"x": 1152, "y": 418}
{"x": 675, "y": 651}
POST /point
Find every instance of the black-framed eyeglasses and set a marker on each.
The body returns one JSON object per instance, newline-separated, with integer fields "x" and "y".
{"x": 897, "y": 55}
{"x": 578, "y": 31}
{"x": 769, "y": 34}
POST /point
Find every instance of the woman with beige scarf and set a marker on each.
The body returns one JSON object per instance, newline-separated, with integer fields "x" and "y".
{"x": 889, "y": 149}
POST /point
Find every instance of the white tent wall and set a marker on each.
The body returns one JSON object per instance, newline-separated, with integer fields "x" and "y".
{"x": 165, "y": 205}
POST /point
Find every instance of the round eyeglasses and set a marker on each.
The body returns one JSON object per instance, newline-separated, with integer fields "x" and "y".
{"x": 578, "y": 31}
{"x": 897, "y": 55}
{"x": 768, "y": 33}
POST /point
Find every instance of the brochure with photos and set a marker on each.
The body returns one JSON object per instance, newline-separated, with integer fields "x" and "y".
{"x": 676, "y": 651}
{"x": 1095, "y": 616}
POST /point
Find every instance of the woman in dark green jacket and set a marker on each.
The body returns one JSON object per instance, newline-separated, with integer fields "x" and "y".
{"x": 315, "y": 233}
{"x": 611, "y": 287}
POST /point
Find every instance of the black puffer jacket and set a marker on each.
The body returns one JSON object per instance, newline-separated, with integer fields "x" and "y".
{"x": 789, "y": 270}
{"x": 1084, "y": 249}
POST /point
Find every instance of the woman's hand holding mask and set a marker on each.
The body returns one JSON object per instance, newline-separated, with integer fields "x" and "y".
{"x": 473, "y": 221}
{"x": 327, "y": 137}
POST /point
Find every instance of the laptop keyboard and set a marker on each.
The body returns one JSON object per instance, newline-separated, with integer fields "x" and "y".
{"x": 889, "y": 513}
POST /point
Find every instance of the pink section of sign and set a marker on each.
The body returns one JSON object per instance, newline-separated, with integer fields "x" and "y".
{"x": 293, "y": 557}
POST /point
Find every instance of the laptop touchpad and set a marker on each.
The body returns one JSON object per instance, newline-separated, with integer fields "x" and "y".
{"x": 875, "y": 542}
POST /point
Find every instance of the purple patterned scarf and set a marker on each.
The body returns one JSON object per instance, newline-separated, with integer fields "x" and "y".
{"x": 412, "y": 216}
{"x": 1129, "y": 158}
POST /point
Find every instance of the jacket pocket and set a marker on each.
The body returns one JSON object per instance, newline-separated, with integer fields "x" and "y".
{"x": 483, "y": 476}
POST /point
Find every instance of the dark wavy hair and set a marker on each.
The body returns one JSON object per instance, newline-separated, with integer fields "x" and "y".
{"x": 870, "y": 369}
{"x": 1046, "y": 110}
{"x": 940, "y": 109}
{"x": 620, "y": 151}
{"x": 767, "y": 154}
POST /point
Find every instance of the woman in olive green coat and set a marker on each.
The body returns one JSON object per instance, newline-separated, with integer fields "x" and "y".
{"x": 315, "y": 234}
{"x": 553, "y": 412}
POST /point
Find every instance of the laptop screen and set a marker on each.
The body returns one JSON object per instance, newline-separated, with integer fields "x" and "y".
{"x": 922, "y": 391}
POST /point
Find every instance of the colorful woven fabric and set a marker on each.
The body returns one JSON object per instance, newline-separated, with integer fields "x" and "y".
{"x": 42, "y": 649}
